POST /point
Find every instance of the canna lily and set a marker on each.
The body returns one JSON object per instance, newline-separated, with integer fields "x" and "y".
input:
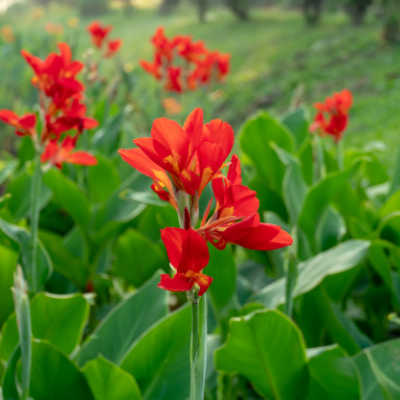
{"x": 57, "y": 154}
{"x": 98, "y": 33}
{"x": 188, "y": 255}
{"x": 235, "y": 219}
{"x": 332, "y": 116}
{"x": 173, "y": 83}
{"x": 25, "y": 125}
{"x": 182, "y": 158}
{"x": 113, "y": 47}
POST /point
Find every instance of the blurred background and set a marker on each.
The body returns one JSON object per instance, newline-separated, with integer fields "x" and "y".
{"x": 284, "y": 54}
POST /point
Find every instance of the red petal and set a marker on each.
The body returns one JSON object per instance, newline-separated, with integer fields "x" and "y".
{"x": 81, "y": 158}
{"x": 8, "y": 117}
{"x": 28, "y": 121}
{"x": 204, "y": 281}
{"x": 176, "y": 284}
{"x": 235, "y": 172}
{"x": 193, "y": 126}
{"x": 186, "y": 249}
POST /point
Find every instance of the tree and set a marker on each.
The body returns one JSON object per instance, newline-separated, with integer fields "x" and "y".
{"x": 239, "y": 7}
{"x": 202, "y": 6}
{"x": 357, "y": 9}
{"x": 391, "y": 23}
{"x": 168, "y": 6}
{"x": 312, "y": 10}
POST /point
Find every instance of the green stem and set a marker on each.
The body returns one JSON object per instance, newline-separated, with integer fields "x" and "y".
{"x": 318, "y": 159}
{"x": 35, "y": 210}
{"x": 198, "y": 353}
{"x": 340, "y": 155}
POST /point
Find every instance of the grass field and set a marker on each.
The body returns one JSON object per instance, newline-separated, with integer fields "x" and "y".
{"x": 277, "y": 62}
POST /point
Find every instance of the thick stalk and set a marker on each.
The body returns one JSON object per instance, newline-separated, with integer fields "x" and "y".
{"x": 198, "y": 352}
{"x": 35, "y": 209}
{"x": 291, "y": 274}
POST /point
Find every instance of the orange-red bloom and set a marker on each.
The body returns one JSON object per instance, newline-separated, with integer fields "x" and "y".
{"x": 182, "y": 158}
{"x": 332, "y": 116}
{"x": 188, "y": 255}
{"x": 235, "y": 219}
{"x": 113, "y": 47}
{"x": 58, "y": 154}
{"x": 98, "y": 33}
{"x": 25, "y": 125}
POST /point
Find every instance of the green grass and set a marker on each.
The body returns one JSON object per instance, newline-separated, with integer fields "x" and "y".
{"x": 278, "y": 61}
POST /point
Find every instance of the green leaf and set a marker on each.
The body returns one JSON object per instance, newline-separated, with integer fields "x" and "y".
{"x": 7, "y": 170}
{"x": 24, "y": 242}
{"x": 159, "y": 360}
{"x": 103, "y": 179}
{"x": 331, "y": 228}
{"x": 268, "y": 349}
{"x": 297, "y": 124}
{"x": 256, "y": 136}
{"x": 107, "y": 138}
{"x": 64, "y": 262}
{"x": 137, "y": 258}
{"x": 312, "y": 272}
{"x": 109, "y": 382}
{"x": 8, "y": 265}
{"x": 333, "y": 375}
{"x": 319, "y": 197}
{"x": 305, "y": 155}
{"x": 392, "y": 205}
{"x": 222, "y": 269}
{"x": 9, "y": 383}
{"x": 379, "y": 368}
{"x": 20, "y": 202}
{"x": 68, "y": 196}
{"x": 395, "y": 184}
{"x": 63, "y": 324}
{"x": 53, "y": 374}
{"x": 124, "y": 324}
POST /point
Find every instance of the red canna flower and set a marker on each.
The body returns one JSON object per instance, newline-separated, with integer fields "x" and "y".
{"x": 98, "y": 33}
{"x": 113, "y": 47}
{"x": 174, "y": 79}
{"x": 182, "y": 158}
{"x": 58, "y": 154}
{"x": 235, "y": 219}
{"x": 163, "y": 46}
{"x": 25, "y": 125}
{"x": 332, "y": 116}
{"x": 151, "y": 68}
{"x": 188, "y": 254}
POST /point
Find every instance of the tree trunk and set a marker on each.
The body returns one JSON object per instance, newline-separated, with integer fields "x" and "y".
{"x": 202, "y": 6}
{"x": 168, "y": 6}
{"x": 312, "y": 10}
{"x": 240, "y": 8}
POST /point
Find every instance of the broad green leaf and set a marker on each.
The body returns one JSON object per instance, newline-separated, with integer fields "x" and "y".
{"x": 7, "y": 169}
{"x": 103, "y": 179}
{"x": 268, "y": 349}
{"x": 331, "y": 228}
{"x": 110, "y": 382}
{"x": 333, "y": 375}
{"x": 124, "y": 324}
{"x": 222, "y": 269}
{"x": 8, "y": 266}
{"x": 53, "y": 374}
{"x": 379, "y": 367}
{"x": 137, "y": 258}
{"x": 107, "y": 138}
{"x": 392, "y": 204}
{"x": 312, "y": 272}
{"x": 19, "y": 188}
{"x": 319, "y": 197}
{"x": 395, "y": 184}
{"x": 58, "y": 319}
{"x": 297, "y": 124}
{"x": 159, "y": 359}
{"x": 256, "y": 137}
{"x": 68, "y": 196}
{"x": 22, "y": 238}
{"x": 64, "y": 262}
{"x": 305, "y": 155}
{"x": 9, "y": 383}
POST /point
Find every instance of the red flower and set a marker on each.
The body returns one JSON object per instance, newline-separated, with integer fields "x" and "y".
{"x": 223, "y": 65}
{"x": 25, "y": 125}
{"x": 235, "y": 219}
{"x": 151, "y": 68}
{"x": 332, "y": 116}
{"x": 112, "y": 47}
{"x": 98, "y": 33}
{"x": 55, "y": 76}
{"x": 182, "y": 158}
{"x": 163, "y": 46}
{"x": 173, "y": 83}
{"x": 57, "y": 155}
{"x": 188, "y": 254}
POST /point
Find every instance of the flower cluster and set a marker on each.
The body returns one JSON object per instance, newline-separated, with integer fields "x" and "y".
{"x": 333, "y": 115}
{"x": 61, "y": 107}
{"x": 183, "y": 64}
{"x": 182, "y": 161}
{"x": 99, "y": 34}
